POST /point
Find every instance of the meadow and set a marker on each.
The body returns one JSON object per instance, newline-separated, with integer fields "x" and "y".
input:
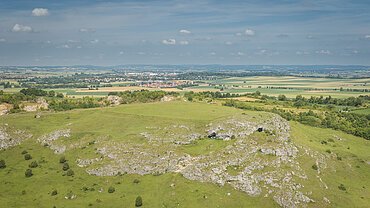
{"x": 124, "y": 123}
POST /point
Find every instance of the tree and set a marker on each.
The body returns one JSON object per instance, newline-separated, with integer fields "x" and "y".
{"x": 138, "y": 201}
{"x": 27, "y": 157}
{"x": 28, "y": 173}
{"x": 33, "y": 164}
{"x": 54, "y": 192}
{"x": 314, "y": 166}
{"x": 51, "y": 93}
{"x": 111, "y": 190}
{"x": 2, "y": 164}
{"x": 342, "y": 187}
{"x": 65, "y": 166}
{"x": 70, "y": 172}
{"x": 62, "y": 159}
{"x": 282, "y": 98}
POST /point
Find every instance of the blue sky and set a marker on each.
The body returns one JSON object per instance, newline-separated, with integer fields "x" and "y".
{"x": 71, "y": 32}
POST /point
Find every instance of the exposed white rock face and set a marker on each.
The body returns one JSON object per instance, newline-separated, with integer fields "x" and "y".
{"x": 49, "y": 140}
{"x": 114, "y": 99}
{"x": 255, "y": 162}
{"x": 40, "y": 104}
{"x": 11, "y": 137}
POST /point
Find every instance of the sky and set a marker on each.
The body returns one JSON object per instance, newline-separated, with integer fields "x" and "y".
{"x": 105, "y": 33}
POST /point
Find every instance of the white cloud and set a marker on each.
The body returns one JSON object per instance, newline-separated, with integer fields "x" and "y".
{"x": 302, "y": 53}
{"x": 249, "y": 32}
{"x": 238, "y": 34}
{"x": 94, "y": 41}
{"x": 228, "y": 43}
{"x": 184, "y": 42}
{"x": 66, "y": 46}
{"x": 141, "y": 53}
{"x": 355, "y": 52}
{"x": 367, "y": 36}
{"x": 169, "y": 42}
{"x": 121, "y": 53}
{"x": 261, "y": 52}
{"x": 240, "y": 54}
{"x": 2, "y": 40}
{"x": 21, "y": 28}
{"x": 325, "y": 52}
{"x": 310, "y": 37}
{"x": 39, "y": 12}
{"x": 87, "y": 30}
{"x": 212, "y": 53}
{"x": 183, "y": 31}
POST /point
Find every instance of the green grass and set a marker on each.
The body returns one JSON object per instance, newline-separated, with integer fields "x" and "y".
{"x": 352, "y": 170}
{"x": 362, "y": 111}
{"x": 124, "y": 123}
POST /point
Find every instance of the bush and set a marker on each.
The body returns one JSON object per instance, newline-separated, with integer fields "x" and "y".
{"x": 62, "y": 159}
{"x": 24, "y": 152}
{"x": 342, "y": 187}
{"x": 33, "y": 164}
{"x": 27, "y": 157}
{"x": 111, "y": 190}
{"x": 136, "y": 181}
{"x": 328, "y": 151}
{"x": 2, "y": 164}
{"x": 54, "y": 192}
{"x": 138, "y": 201}
{"x": 65, "y": 166}
{"x": 28, "y": 173}
{"x": 70, "y": 172}
{"x": 314, "y": 166}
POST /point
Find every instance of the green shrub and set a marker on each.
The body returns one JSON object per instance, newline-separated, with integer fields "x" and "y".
{"x": 70, "y": 172}
{"x": 28, "y": 173}
{"x": 54, "y": 192}
{"x": 328, "y": 151}
{"x": 136, "y": 181}
{"x": 27, "y": 156}
{"x": 314, "y": 166}
{"x": 111, "y": 190}
{"x": 33, "y": 164}
{"x": 65, "y": 166}
{"x": 2, "y": 164}
{"x": 24, "y": 152}
{"x": 62, "y": 159}
{"x": 342, "y": 187}
{"x": 138, "y": 201}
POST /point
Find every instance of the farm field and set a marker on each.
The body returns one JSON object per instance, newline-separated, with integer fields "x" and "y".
{"x": 119, "y": 138}
{"x": 293, "y": 86}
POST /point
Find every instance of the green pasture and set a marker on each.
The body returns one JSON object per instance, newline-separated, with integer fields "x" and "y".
{"x": 124, "y": 123}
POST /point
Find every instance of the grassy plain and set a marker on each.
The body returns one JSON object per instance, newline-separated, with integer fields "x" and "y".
{"x": 125, "y": 122}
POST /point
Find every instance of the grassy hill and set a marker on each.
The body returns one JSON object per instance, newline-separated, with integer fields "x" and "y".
{"x": 125, "y": 143}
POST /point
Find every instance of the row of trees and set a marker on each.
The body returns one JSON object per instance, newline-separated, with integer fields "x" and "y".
{"x": 350, "y": 101}
{"x": 208, "y": 95}
{"x": 142, "y": 96}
